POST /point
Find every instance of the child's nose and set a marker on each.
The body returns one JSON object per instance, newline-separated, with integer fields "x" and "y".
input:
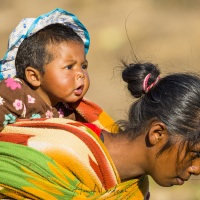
{"x": 80, "y": 75}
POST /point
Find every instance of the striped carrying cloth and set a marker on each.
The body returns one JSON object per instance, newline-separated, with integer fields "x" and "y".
{"x": 62, "y": 159}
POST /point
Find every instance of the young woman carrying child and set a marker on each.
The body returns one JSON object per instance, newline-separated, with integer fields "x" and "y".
{"x": 60, "y": 158}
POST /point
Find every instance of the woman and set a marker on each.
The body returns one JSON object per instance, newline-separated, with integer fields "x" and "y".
{"x": 161, "y": 138}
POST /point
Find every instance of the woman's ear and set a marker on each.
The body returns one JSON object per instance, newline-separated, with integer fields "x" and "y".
{"x": 157, "y": 133}
{"x": 33, "y": 76}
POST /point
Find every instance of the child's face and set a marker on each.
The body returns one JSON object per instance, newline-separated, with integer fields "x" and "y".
{"x": 66, "y": 78}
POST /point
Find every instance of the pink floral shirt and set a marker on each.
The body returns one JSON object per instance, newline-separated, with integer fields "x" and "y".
{"x": 19, "y": 101}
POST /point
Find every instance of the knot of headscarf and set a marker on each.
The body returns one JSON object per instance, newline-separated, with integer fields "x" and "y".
{"x": 29, "y": 26}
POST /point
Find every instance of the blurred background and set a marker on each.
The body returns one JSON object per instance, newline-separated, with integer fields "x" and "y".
{"x": 164, "y": 32}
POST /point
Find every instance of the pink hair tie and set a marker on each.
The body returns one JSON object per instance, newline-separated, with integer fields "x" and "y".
{"x": 146, "y": 88}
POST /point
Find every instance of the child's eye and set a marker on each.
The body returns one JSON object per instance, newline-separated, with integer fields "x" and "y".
{"x": 85, "y": 66}
{"x": 68, "y": 67}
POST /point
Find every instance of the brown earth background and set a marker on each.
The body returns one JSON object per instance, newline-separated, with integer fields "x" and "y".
{"x": 165, "y": 32}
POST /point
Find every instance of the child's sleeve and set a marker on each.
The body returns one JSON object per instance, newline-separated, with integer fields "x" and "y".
{"x": 11, "y": 101}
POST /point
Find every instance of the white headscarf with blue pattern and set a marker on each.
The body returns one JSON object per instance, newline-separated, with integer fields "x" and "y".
{"x": 29, "y": 26}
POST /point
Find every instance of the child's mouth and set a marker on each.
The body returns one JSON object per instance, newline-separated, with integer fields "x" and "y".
{"x": 78, "y": 91}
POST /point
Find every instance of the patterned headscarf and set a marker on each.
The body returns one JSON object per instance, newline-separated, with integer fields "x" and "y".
{"x": 29, "y": 26}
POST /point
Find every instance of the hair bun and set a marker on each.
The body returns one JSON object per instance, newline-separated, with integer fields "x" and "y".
{"x": 141, "y": 77}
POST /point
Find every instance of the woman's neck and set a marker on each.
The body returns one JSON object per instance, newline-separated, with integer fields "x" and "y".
{"x": 126, "y": 155}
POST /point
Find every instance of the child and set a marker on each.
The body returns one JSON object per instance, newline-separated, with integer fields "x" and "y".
{"x": 47, "y": 58}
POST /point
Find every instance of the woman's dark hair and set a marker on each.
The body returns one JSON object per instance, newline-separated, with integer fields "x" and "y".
{"x": 34, "y": 52}
{"x": 173, "y": 100}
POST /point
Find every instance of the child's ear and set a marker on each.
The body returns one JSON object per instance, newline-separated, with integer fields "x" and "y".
{"x": 157, "y": 133}
{"x": 33, "y": 76}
